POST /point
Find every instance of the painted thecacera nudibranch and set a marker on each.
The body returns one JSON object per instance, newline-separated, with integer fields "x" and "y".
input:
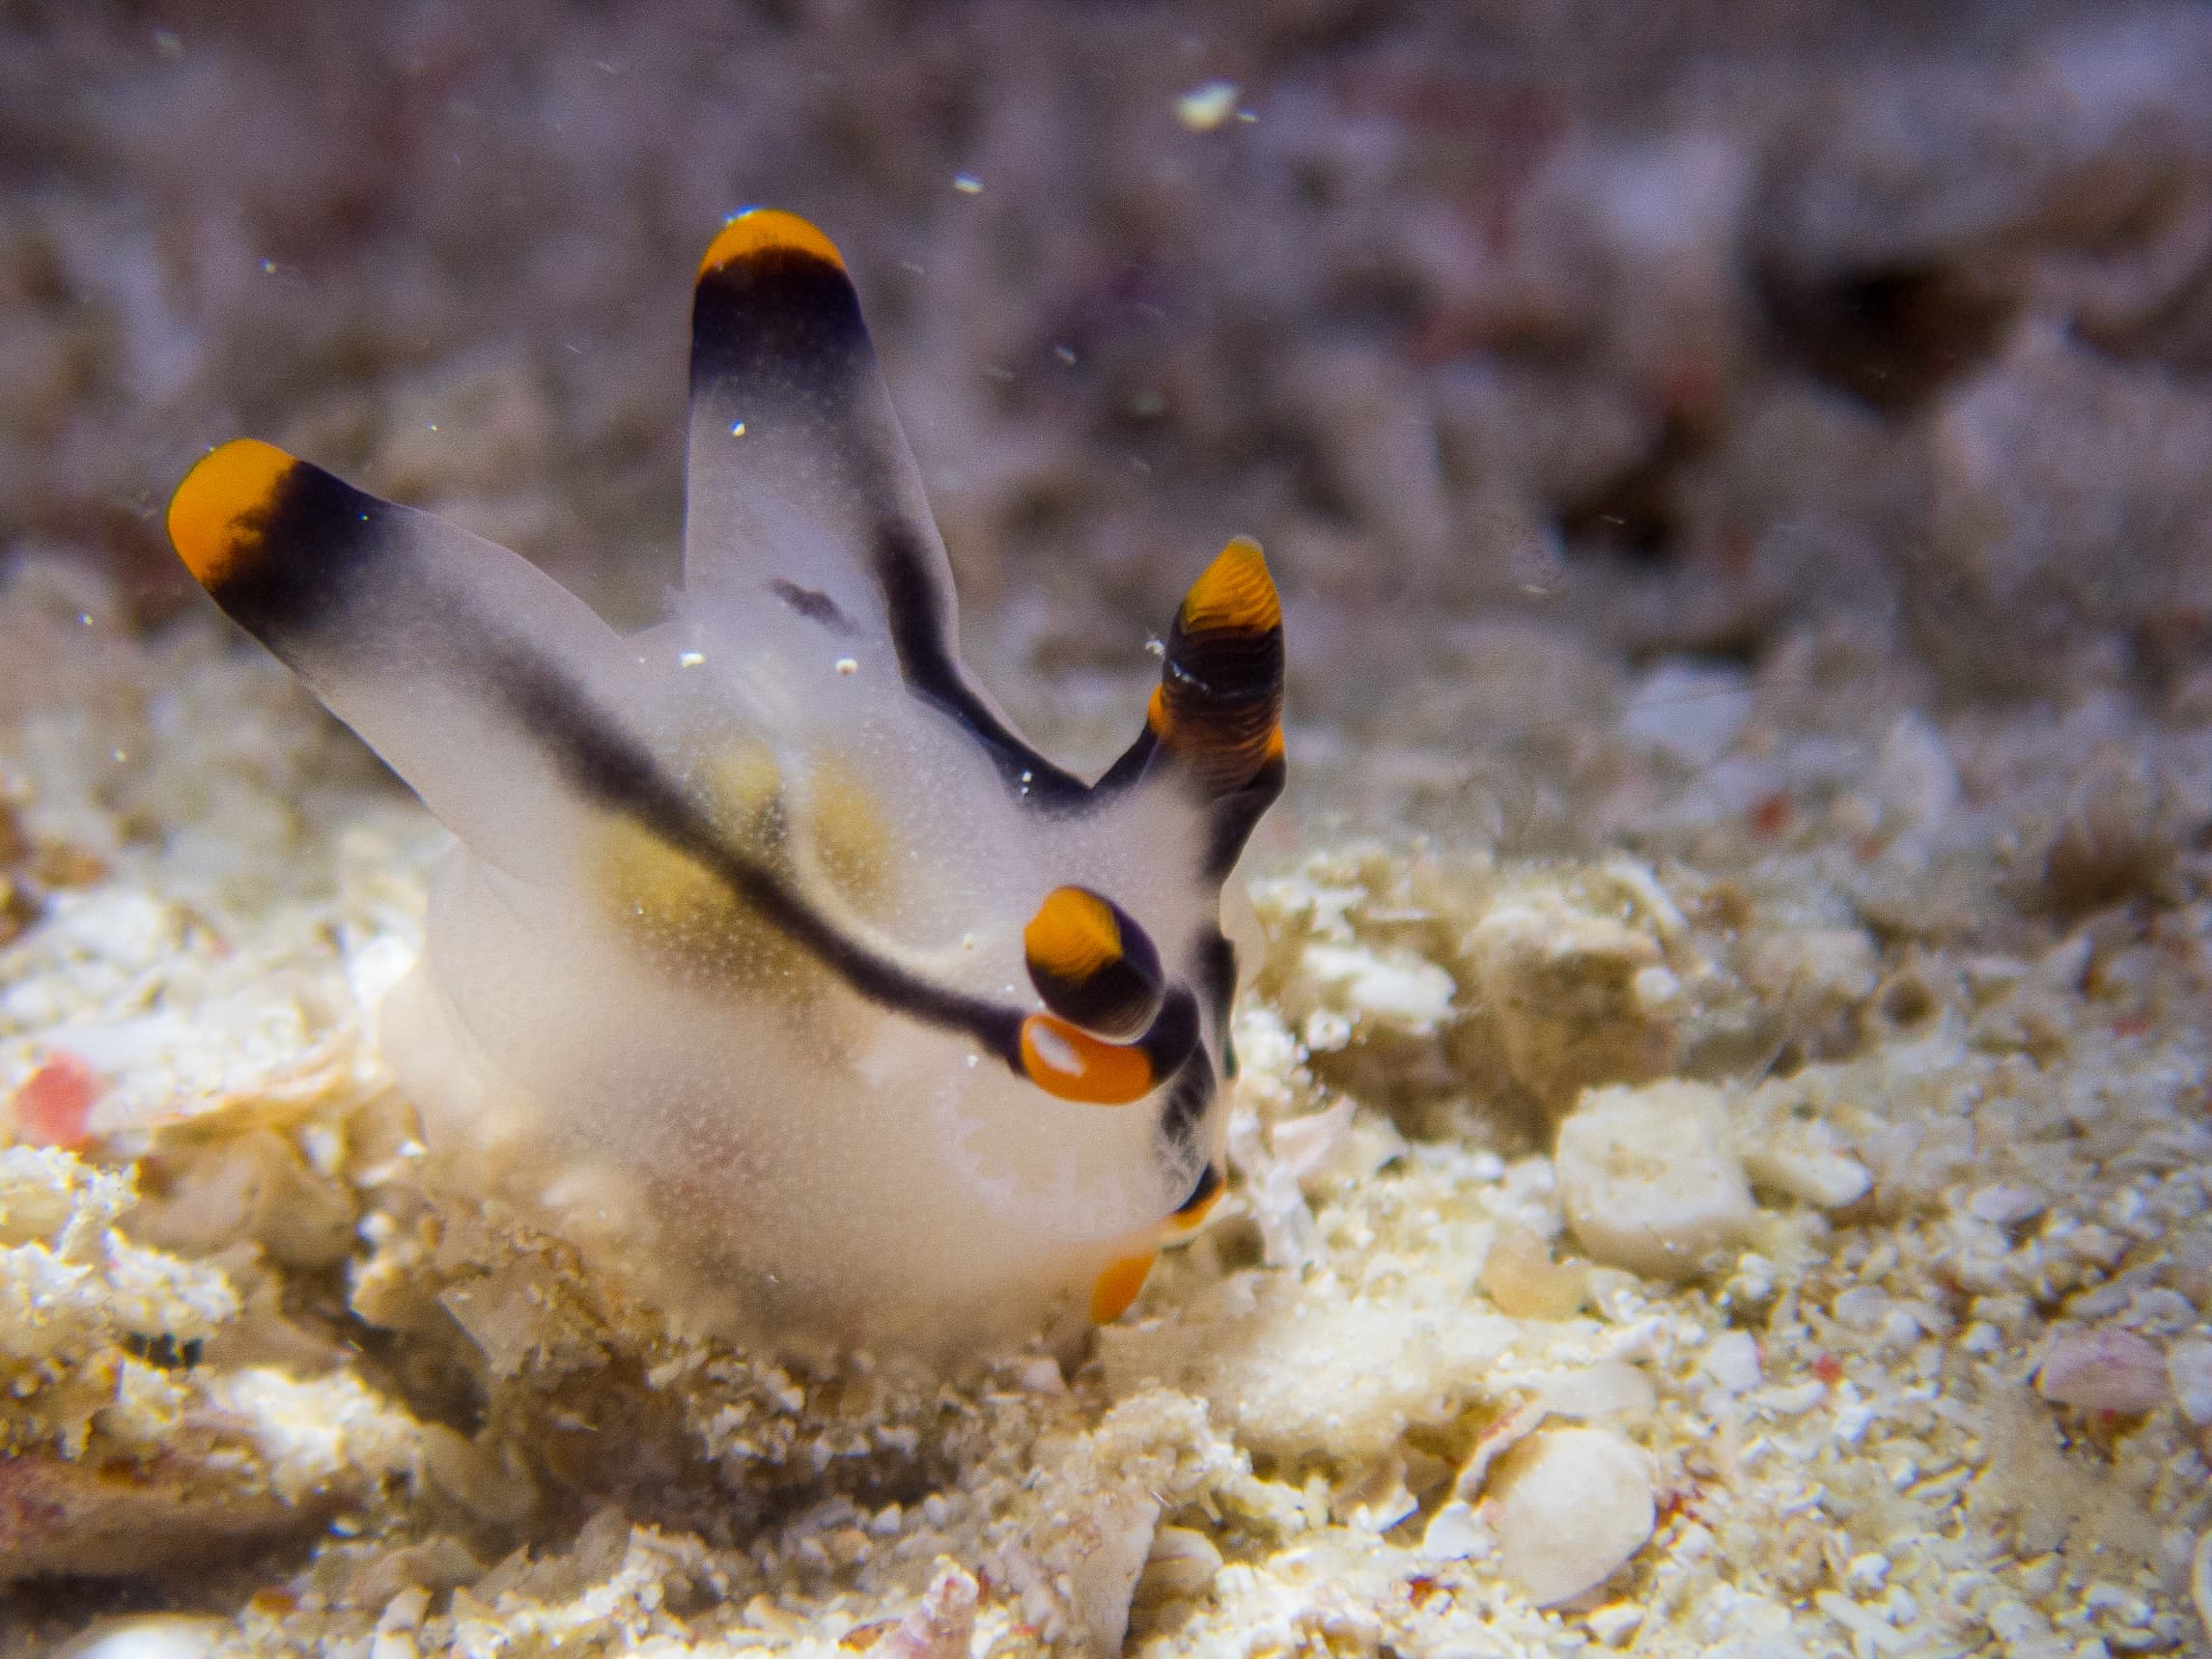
{"x": 774, "y": 964}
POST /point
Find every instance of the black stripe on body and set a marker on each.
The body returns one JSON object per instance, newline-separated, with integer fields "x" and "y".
{"x": 813, "y": 605}
{"x": 1218, "y": 985}
{"x": 1129, "y": 765}
{"x": 920, "y": 636}
{"x": 615, "y": 773}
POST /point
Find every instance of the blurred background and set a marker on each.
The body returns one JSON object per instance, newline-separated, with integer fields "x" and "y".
{"x": 1538, "y": 342}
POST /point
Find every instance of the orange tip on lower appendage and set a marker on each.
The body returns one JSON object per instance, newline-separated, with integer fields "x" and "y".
{"x": 1069, "y": 1063}
{"x": 759, "y": 230}
{"x": 208, "y": 513}
{"x": 1115, "y": 1290}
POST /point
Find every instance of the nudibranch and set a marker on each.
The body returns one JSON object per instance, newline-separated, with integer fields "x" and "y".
{"x": 774, "y": 965}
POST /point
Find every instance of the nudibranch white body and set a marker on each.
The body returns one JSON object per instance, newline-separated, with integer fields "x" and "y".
{"x": 774, "y": 967}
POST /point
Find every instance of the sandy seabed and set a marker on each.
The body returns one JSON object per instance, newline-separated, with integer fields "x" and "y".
{"x": 1722, "y": 1162}
{"x": 1740, "y": 1242}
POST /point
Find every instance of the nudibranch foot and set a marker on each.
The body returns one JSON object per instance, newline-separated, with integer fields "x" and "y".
{"x": 775, "y": 968}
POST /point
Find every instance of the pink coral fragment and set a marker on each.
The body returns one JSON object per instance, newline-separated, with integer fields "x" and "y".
{"x": 2104, "y": 1371}
{"x": 55, "y": 1103}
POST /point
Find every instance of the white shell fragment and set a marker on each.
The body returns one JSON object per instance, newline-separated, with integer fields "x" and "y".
{"x": 2189, "y": 1368}
{"x": 1732, "y": 1362}
{"x": 1649, "y": 1181}
{"x": 1574, "y": 1504}
{"x": 1116, "y": 1545}
{"x": 2104, "y": 1371}
{"x": 155, "y": 1636}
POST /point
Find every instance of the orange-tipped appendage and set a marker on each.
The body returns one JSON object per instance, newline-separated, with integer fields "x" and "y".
{"x": 1191, "y": 1217}
{"x": 207, "y": 516}
{"x": 1073, "y": 935}
{"x": 760, "y": 230}
{"x": 1116, "y": 1289}
{"x": 1069, "y": 1063}
{"x": 1236, "y": 593}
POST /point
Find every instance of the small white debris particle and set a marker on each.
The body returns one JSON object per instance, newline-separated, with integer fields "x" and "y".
{"x": 1732, "y": 1360}
{"x": 1066, "y": 354}
{"x": 1867, "y": 1573}
{"x": 1454, "y": 1534}
{"x": 967, "y": 184}
{"x": 1203, "y": 109}
{"x": 690, "y": 659}
{"x": 846, "y": 665}
{"x": 1853, "y": 1415}
{"x": 1614, "y": 1623}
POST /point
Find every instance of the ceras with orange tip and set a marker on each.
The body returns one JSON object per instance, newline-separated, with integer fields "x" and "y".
{"x": 774, "y": 965}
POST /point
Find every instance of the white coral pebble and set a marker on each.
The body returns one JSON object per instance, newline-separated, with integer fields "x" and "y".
{"x": 1573, "y": 1506}
{"x": 2104, "y": 1371}
{"x": 2189, "y": 1367}
{"x": 1648, "y": 1179}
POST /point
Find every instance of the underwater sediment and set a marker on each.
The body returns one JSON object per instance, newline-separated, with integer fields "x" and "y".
{"x": 1718, "y": 1158}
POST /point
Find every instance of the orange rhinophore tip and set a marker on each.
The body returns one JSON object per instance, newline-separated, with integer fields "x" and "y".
{"x": 760, "y": 230}
{"x": 1117, "y": 1287}
{"x": 1092, "y": 964}
{"x": 1236, "y": 593}
{"x": 211, "y": 517}
{"x": 1073, "y": 933}
{"x": 1069, "y": 1063}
